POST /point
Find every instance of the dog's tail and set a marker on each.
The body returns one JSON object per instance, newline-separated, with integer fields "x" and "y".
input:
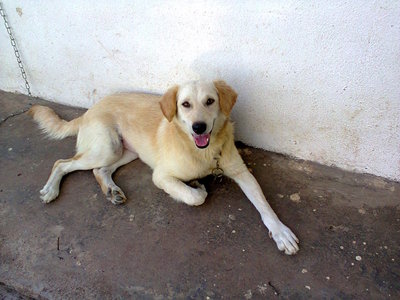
{"x": 52, "y": 124}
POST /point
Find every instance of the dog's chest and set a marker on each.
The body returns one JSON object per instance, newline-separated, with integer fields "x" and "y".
{"x": 192, "y": 167}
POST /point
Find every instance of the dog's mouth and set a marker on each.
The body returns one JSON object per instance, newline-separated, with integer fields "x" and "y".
{"x": 202, "y": 140}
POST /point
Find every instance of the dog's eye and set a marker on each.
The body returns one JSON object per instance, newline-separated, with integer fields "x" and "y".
{"x": 186, "y": 104}
{"x": 210, "y": 101}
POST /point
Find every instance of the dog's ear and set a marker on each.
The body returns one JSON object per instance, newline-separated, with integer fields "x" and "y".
{"x": 168, "y": 103}
{"x": 227, "y": 96}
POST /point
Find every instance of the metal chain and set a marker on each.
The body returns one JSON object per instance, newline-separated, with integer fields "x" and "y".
{"x": 16, "y": 52}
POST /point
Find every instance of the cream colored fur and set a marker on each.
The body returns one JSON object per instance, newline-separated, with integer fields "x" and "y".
{"x": 159, "y": 131}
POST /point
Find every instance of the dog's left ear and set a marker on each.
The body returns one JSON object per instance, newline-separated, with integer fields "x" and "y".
{"x": 227, "y": 96}
{"x": 168, "y": 103}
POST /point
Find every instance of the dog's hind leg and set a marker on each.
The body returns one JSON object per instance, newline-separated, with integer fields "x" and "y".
{"x": 97, "y": 147}
{"x": 104, "y": 178}
{"x": 64, "y": 166}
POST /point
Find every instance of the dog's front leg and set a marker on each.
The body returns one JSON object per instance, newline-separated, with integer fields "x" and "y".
{"x": 234, "y": 168}
{"x": 179, "y": 190}
{"x": 283, "y": 236}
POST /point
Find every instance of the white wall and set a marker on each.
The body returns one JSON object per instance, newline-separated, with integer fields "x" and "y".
{"x": 318, "y": 80}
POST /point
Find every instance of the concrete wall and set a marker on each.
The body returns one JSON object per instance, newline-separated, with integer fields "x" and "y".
{"x": 318, "y": 80}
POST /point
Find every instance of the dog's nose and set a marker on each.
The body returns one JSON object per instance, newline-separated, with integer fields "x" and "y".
{"x": 199, "y": 127}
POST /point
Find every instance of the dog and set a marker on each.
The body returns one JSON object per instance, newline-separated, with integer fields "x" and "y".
{"x": 183, "y": 135}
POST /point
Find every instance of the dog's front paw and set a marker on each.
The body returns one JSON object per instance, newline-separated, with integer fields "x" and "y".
{"x": 48, "y": 194}
{"x": 197, "y": 196}
{"x": 284, "y": 238}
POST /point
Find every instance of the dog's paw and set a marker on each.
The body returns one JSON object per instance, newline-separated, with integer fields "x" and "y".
{"x": 197, "y": 196}
{"x": 196, "y": 184}
{"x": 285, "y": 239}
{"x": 116, "y": 195}
{"x": 48, "y": 194}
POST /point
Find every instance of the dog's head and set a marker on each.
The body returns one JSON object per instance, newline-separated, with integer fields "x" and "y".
{"x": 200, "y": 108}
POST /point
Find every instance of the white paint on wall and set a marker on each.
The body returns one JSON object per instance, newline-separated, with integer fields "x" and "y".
{"x": 318, "y": 80}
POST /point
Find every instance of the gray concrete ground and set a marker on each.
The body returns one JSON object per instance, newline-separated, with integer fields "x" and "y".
{"x": 82, "y": 246}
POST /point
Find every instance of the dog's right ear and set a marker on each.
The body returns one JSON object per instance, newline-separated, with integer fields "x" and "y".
{"x": 168, "y": 103}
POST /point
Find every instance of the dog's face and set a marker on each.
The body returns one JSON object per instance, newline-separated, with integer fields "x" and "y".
{"x": 200, "y": 108}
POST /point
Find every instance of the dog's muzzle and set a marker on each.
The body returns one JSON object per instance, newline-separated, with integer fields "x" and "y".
{"x": 200, "y": 138}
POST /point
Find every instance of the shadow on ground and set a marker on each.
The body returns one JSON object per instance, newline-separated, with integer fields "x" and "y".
{"x": 82, "y": 246}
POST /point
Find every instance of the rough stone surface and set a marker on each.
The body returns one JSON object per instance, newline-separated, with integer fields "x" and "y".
{"x": 154, "y": 248}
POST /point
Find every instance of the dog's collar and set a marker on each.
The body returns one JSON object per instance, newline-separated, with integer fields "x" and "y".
{"x": 217, "y": 171}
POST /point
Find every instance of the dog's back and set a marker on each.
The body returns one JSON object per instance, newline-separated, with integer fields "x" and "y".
{"x": 123, "y": 110}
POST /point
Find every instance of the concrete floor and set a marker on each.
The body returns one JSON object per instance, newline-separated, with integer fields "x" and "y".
{"x": 82, "y": 246}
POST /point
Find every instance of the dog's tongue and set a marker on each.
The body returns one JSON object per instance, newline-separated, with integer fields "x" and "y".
{"x": 201, "y": 140}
